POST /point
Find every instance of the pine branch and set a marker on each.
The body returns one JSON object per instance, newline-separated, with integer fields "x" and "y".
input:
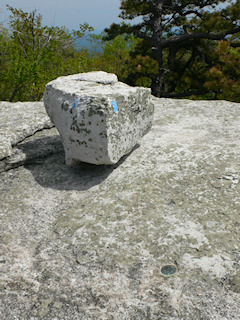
{"x": 235, "y": 44}
{"x": 197, "y": 35}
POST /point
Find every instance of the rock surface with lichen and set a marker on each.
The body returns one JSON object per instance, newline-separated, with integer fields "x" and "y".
{"x": 99, "y": 118}
{"x": 89, "y": 242}
{"x": 18, "y": 121}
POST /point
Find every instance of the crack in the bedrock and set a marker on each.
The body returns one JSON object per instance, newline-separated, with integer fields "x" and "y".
{"x": 33, "y": 149}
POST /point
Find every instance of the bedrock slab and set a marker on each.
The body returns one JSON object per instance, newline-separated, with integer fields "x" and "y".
{"x": 18, "y": 121}
{"x": 89, "y": 242}
{"x": 99, "y": 119}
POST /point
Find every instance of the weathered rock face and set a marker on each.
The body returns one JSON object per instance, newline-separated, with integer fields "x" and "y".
{"x": 89, "y": 242}
{"x": 98, "y": 118}
{"x": 18, "y": 121}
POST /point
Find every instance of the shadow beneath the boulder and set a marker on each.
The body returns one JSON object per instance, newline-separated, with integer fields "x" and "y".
{"x": 50, "y": 171}
{"x": 36, "y": 148}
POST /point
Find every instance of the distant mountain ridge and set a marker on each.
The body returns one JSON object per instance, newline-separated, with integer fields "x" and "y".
{"x": 88, "y": 44}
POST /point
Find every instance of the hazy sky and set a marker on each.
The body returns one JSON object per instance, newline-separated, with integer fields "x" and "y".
{"x": 70, "y": 13}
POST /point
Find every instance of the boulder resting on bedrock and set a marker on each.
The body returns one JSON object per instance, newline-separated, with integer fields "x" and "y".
{"x": 99, "y": 118}
{"x": 91, "y": 242}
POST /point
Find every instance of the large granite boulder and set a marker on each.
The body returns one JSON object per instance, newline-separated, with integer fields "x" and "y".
{"x": 91, "y": 242}
{"x": 99, "y": 119}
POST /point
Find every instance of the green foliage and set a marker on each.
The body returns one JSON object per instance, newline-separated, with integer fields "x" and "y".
{"x": 32, "y": 55}
{"x": 181, "y": 37}
{"x": 223, "y": 79}
{"x": 180, "y": 53}
{"x": 115, "y": 55}
{"x": 141, "y": 70}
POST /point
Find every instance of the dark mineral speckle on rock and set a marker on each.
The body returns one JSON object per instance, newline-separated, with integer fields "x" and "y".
{"x": 89, "y": 242}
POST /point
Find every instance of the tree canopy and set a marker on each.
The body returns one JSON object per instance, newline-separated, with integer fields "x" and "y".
{"x": 32, "y": 54}
{"x": 179, "y": 49}
{"x": 178, "y": 35}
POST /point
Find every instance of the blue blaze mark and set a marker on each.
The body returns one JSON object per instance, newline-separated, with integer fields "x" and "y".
{"x": 75, "y": 103}
{"x": 115, "y": 107}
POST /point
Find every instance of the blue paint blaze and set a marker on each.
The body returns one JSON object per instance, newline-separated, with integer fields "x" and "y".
{"x": 74, "y": 105}
{"x": 115, "y": 107}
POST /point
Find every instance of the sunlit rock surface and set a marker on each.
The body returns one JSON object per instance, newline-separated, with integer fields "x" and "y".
{"x": 18, "y": 121}
{"x": 89, "y": 242}
{"x": 99, "y": 119}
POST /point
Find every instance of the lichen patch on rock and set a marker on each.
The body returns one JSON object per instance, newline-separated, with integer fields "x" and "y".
{"x": 99, "y": 119}
{"x": 18, "y": 121}
{"x": 89, "y": 242}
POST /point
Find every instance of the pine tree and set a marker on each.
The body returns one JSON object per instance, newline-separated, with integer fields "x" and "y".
{"x": 172, "y": 26}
